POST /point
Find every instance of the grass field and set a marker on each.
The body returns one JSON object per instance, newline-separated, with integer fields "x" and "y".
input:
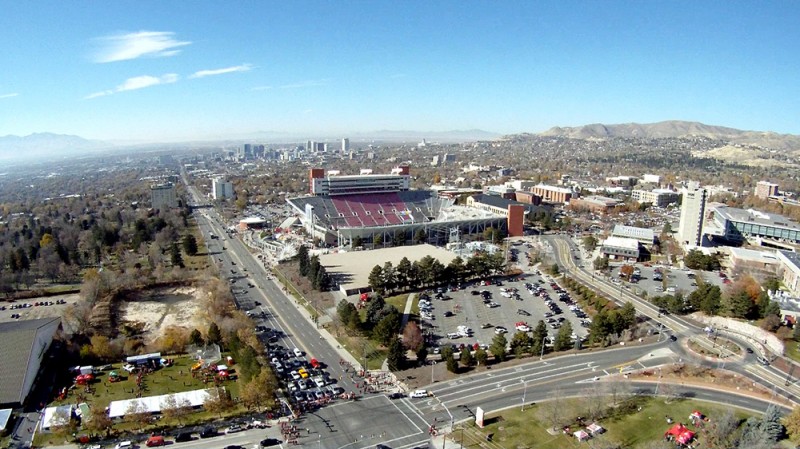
{"x": 172, "y": 379}
{"x": 513, "y": 428}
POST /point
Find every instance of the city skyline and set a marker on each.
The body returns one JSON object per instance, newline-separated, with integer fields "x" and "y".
{"x": 149, "y": 71}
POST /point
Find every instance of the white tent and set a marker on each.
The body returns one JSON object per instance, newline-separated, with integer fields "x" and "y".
{"x": 56, "y": 416}
{"x": 153, "y": 404}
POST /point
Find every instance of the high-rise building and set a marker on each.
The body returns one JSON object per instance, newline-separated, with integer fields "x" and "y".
{"x": 693, "y": 210}
{"x": 221, "y": 189}
{"x": 162, "y": 196}
{"x": 766, "y": 189}
{"x": 345, "y": 145}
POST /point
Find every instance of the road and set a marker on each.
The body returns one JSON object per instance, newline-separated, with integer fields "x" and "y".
{"x": 404, "y": 423}
{"x": 747, "y": 365}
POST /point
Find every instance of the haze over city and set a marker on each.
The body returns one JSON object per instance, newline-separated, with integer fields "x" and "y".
{"x": 155, "y": 71}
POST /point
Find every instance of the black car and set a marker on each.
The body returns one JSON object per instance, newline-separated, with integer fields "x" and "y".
{"x": 396, "y": 395}
{"x": 523, "y": 312}
{"x": 233, "y": 446}
{"x": 474, "y": 293}
{"x": 208, "y": 432}
{"x": 183, "y": 437}
{"x": 269, "y": 442}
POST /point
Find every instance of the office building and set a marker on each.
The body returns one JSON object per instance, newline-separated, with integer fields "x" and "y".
{"x": 738, "y": 225}
{"x": 162, "y": 196}
{"x": 693, "y": 209}
{"x": 656, "y": 197}
{"x": 345, "y": 145}
{"x": 552, "y": 194}
{"x": 221, "y": 189}
{"x": 766, "y": 189}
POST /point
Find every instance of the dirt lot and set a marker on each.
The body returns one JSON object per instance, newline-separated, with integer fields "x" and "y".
{"x": 158, "y": 309}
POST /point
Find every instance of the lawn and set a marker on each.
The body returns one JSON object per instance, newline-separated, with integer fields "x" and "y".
{"x": 792, "y": 350}
{"x": 398, "y": 301}
{"x": 516, "y": 429}
{"x": 173, "y": 379}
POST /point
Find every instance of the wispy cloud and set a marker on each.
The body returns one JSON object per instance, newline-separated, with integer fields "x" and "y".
{"x": 214, "y": 72}
{"x": 303, "y": 84}
{"x": 137, "y": 82}
{"x": 122, "y": 47}
{"x": 262, "y": 88}
{"x": 9, "y": 95}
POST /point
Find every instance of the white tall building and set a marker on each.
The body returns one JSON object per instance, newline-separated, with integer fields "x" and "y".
{"x": 693, "y": 210}
{"x": 162, "y": 196}
{"x": 221, "y": 189}
{"x": 345, "y": 145}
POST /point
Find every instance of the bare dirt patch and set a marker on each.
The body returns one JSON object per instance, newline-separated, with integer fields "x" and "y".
{"x": 155, "y": 310}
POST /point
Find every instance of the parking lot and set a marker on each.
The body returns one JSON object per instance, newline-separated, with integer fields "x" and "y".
{"x": 672, "y": 280}
{"x": 486, "y": 308}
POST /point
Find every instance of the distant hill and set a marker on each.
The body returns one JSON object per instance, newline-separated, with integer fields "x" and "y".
{"x": 675, "y": 128}
{"x": 46, "y": 145}
{"x": 417, "y": 136}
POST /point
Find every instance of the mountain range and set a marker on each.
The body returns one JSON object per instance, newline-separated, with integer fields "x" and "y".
{"x": 676, "y": 128}
{"x": 49, "y": 145}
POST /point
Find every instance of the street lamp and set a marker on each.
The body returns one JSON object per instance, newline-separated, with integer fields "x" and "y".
{"x": 524, "y": 392}
{"x": 444, "y": 440}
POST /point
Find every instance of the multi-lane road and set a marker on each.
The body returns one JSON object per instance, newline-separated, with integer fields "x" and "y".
{"x": 769, "y": 376}
{"x": 404, "y": 423}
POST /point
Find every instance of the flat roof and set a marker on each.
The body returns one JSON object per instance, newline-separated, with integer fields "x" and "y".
{"x": 622, "y": 242}
{"x": 792, "y": 258}
{"x": 552, "y": 188}
{"x": 633, "y": 232}
{"x": 17, "y": 340}
{"x": 355, "y": 266}
{"x": 757, "y": 217}
{"x": 754, "y": 255}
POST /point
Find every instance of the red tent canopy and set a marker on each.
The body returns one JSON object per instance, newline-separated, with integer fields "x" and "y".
{"x": 681, "y": 433}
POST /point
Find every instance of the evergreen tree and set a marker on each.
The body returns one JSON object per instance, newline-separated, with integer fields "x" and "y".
{"x": 214, "y": 335}
{"x": 563, "y": 340}
{"x": 396, "y": 356}
{"x": 190, "y": 245}
{"x": 376, "y": 280}
{"x": 422, "y": 354}
{"x": 481, "y": 356}
{"x": 302, "y": 257}
{"x": 498, "y": 347}
{"x": 175, "y": 255}
{"x": 466, "y": 357}
{"x": 771, "y": 423}
{"x": 375, "y": 310}
{"x": 196, "y": 338}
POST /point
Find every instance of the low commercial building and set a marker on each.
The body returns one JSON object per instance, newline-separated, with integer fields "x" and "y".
{"x": 740, "y": 224}
{"x": 645, "y": 236}
{"x": 595, "y": 203}
{"x": 760, "y": 264}
{"x": 656, "y": 197}
{"x": 552, "y": 194}
{"x": 790, "y": 270}
{"x": 620, "y": 248}
{"x": 24, "y": 346}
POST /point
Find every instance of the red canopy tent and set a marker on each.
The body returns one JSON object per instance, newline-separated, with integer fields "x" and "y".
{"x": 680, "y": 433}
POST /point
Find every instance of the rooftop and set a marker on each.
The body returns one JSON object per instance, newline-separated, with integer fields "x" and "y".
{"x": 633, "y": 232}
{"x": 17, "y": 340}
{"x": 622, "y": 242}
{"x": 756, "y": 217}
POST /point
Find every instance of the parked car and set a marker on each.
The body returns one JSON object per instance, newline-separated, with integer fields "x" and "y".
{"x": 155, "y": 440}
{"x": 208, "y": 432}
{"x": 183, "y": 437}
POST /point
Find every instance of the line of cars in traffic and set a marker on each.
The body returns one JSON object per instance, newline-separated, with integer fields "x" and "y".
{"x": 305, "y": 379}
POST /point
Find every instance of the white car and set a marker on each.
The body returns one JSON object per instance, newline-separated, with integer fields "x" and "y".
{"x": 418, "y": 394}
{"x": 500, "y": 330}
{"x": 523, "y": 328}
{"x": 297, "y": 352}
{"x": 492, "y": 305}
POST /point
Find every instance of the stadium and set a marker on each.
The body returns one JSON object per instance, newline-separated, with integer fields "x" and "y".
{"x": 340, "y": 208}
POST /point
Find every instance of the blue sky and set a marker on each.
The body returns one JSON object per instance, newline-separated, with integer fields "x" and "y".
{"x": 143, "y": 70}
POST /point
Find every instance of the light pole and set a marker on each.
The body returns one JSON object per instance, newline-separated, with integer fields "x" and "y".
{"x": 524, "y": 392}
{"x": 444, "y": 440}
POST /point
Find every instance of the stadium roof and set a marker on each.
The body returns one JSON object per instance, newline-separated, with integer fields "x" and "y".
{"x": 17, "y": 339}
